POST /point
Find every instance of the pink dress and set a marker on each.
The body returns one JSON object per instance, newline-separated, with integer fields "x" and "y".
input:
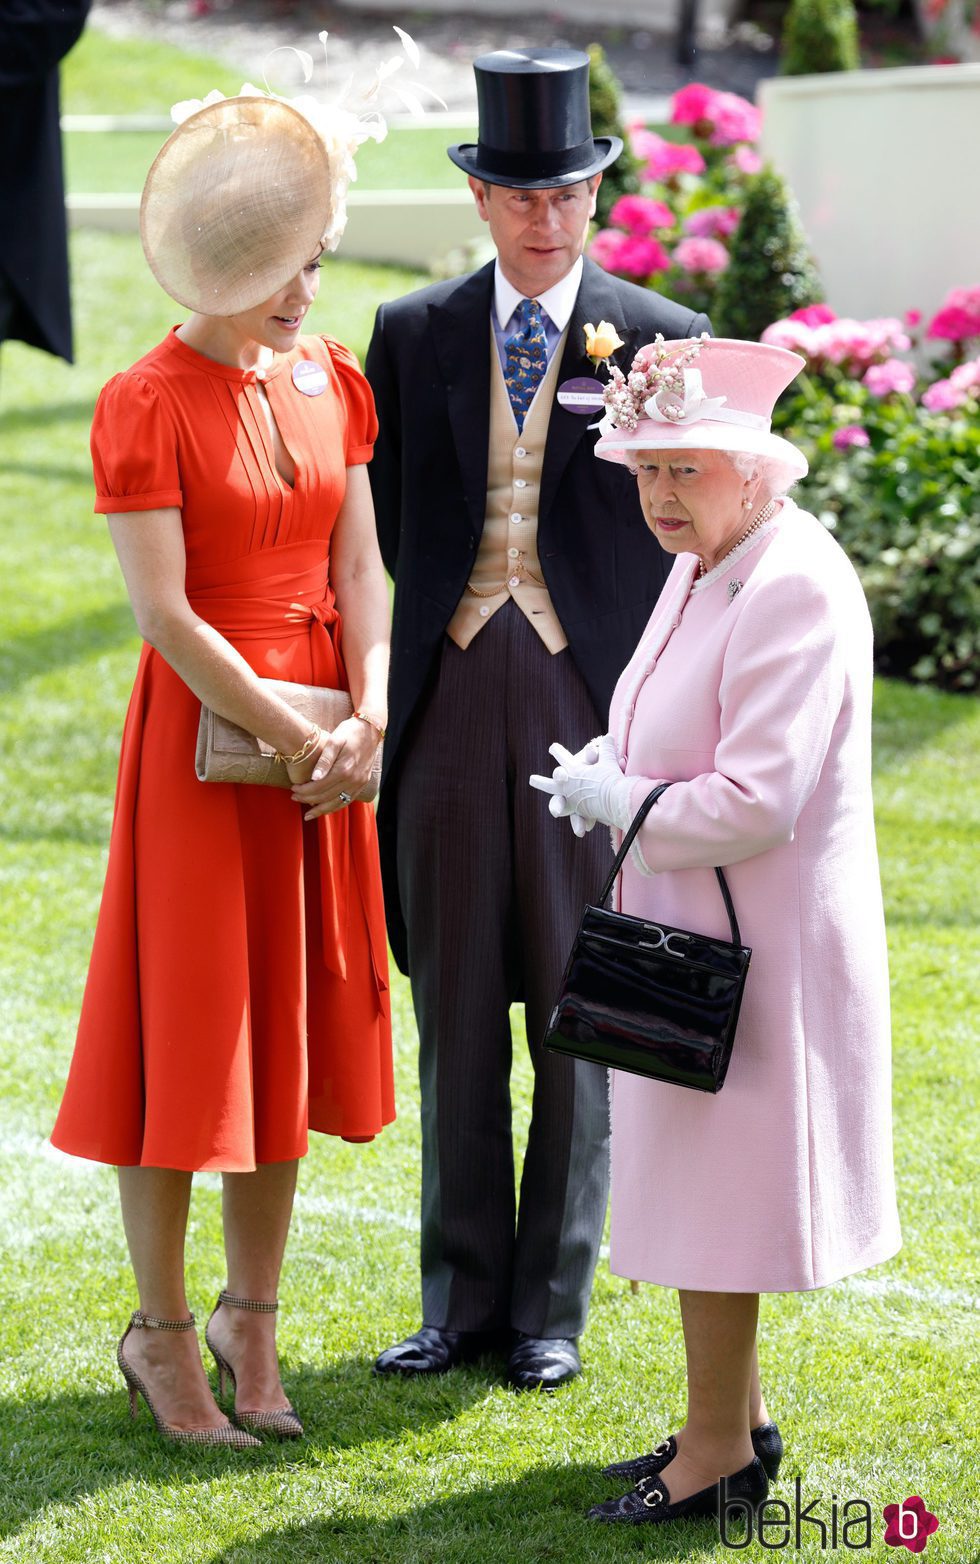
{"x": 751, "y": 690}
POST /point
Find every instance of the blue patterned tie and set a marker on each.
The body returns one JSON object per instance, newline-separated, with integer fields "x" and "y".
{"x": 527, "y": 358}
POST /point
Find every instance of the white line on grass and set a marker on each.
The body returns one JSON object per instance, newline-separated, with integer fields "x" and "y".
{"x": 330, "y": 1205}
{"x": 18, "y": 1144}
{"x": 884, "y": 1286}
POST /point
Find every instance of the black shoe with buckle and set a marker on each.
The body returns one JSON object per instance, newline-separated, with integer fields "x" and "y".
{"x": 433, "y": 1350}
{"x": 650, "y": 1502}
{"x": 766, "y": 1442}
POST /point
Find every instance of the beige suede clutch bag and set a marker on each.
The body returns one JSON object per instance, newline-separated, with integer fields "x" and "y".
{"x": 227, "y": 753}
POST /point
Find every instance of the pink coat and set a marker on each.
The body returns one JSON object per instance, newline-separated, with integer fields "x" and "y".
{"x": 756, "y": 701}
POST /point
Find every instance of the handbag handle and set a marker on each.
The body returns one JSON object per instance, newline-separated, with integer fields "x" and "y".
{"x": 627, "y": 843}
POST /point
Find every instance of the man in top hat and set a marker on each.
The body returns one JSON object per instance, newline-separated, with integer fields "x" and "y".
{"x": 524, "y": 575}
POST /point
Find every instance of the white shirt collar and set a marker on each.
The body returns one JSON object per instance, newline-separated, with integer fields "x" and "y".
{"x": 558, "y": 302}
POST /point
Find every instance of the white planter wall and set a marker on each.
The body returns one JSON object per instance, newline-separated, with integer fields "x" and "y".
{"x": 659, "y": 16}
{"x": 418, "y": 228}
{"x": 404, "y": 227}
{"x": 884, "y": 165}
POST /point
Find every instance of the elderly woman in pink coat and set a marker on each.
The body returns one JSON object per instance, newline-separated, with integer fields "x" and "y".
{"x": 750, "y": 691}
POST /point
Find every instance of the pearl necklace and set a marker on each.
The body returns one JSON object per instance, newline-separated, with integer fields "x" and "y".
{"x": 766, "y": 513}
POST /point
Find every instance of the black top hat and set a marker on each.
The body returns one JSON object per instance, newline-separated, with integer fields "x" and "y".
{"x": 535, "y": 129}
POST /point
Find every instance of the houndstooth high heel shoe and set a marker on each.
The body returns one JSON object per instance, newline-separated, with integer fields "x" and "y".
{"x": 225, "y": 1434}
{"x": 284, "y": 1422}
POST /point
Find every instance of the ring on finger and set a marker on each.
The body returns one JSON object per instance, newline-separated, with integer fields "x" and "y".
{"x": 345, "y": 798}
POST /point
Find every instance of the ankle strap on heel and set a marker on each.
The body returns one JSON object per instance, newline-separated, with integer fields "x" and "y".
{"x": 141, "y": 1321}
{"x": 257, "y": 1305}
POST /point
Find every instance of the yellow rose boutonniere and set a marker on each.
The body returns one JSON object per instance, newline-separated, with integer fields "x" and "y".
{"x": 601, "y": 341}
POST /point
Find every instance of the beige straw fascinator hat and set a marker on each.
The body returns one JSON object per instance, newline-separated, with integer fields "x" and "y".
{"x": 236, "y": 202}
{"x": 247, "y": 190}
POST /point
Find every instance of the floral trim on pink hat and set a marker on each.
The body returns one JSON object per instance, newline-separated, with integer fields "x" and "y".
{"x": 660, "y": 385}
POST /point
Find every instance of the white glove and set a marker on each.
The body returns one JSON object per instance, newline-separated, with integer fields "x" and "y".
{"x": 557, "y": 807}
{"x": 589, "y": 786}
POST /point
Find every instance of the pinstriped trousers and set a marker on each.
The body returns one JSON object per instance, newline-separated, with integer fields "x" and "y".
{"x": 492, "y": 889}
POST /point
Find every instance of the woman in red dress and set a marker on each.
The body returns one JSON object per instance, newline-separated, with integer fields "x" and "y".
{"x": 238, "y": 990}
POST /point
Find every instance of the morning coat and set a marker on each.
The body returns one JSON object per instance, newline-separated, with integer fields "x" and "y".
{"x": 34, "y": 36}
{"x": 755, "y": 699}
{"x": 429, "y": 368}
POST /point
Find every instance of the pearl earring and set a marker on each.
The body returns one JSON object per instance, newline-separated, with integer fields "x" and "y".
{"x": 746, "y": 502}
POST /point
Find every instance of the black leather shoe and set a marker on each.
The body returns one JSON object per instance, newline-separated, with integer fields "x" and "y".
{"x": 766, "y": 1442}
{"x": 433, "y": 1350}
{"x": 542, "y": 1362}
{"x": 649, "y": 1501}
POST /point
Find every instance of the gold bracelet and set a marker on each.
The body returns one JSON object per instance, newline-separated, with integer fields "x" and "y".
{"x": 372, "y": 722}
{"x": 303, "y": 753}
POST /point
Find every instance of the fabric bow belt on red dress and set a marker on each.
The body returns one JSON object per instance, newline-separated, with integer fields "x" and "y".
{"x": 249, "y": 602}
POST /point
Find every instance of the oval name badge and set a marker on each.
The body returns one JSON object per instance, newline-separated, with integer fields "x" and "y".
{"x": 309, "y": 378}
{"x": 581, "y": 395}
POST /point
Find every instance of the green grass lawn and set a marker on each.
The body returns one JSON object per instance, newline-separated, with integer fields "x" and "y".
{"x": 98, "y": 162}
{"x": 122, "y": 76}
{"x": 870, "y": 1380}
{"x": 105, "y": 75}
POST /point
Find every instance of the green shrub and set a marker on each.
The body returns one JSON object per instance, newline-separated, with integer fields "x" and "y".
{"x": 771, "y": 272}
{"x": 906, "y": 509}
{"x": 623, "y": 176}
{"x": 820, "y": 35}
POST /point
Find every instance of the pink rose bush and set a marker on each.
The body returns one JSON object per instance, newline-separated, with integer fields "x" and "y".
{"x": 893, "y": 452}
{"x": 712, "y": 222}
{"x": 745, "y": 160}
{"x": 605, "y": 247}
{"x": 735, "y": 120}
{"x": 848, "y": 435}
{"x": 664, "y": 160}
{"x": 722, "y": 118}
{"x": 865, "y": 350}
{"x": 959, "y": 317}
{"x": 850, "y": 345}
{"x": 639, "y": 215}
{"x": 958, "y": 390}
{"x": 676, "y": 236}
{"x": 814, "y": 314}
{"x": 691, "y": 106}
{"x": 891, "y": 376}
{"x": 701, "y": 255}
{"x": 966, "y": 377}
{"x": 941, "y": 397}
{"x": 629, "y": 254}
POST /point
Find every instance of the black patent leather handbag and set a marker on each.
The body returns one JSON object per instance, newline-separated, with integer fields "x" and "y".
{"x": 644, "y": 997}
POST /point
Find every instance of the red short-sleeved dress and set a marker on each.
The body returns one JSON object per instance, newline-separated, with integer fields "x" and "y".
{"x": 238, "y": 988}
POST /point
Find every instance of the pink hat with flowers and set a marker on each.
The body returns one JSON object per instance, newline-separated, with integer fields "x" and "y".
{"x": 700, "y": 394}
